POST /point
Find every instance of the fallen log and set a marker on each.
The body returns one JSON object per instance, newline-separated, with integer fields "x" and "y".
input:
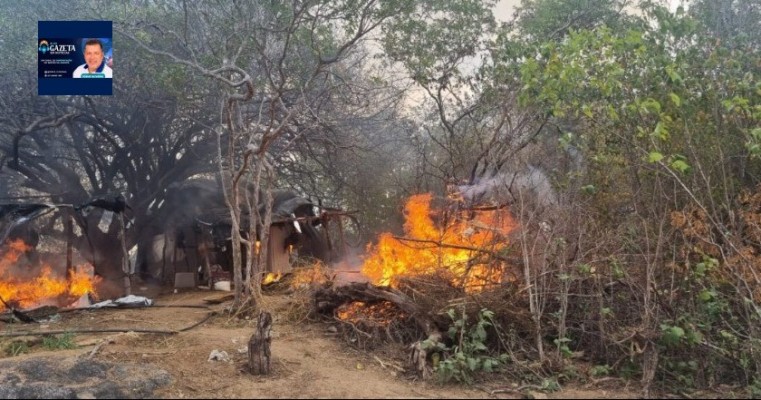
{"x": 17, "y": 314}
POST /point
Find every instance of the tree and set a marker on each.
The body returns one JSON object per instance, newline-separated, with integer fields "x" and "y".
{"x": 664, "y": 113}
{"x": 278, "y": 61}
{"x": 147, "y": 136}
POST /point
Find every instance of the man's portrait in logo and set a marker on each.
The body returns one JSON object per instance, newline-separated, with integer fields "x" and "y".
{"x": 98, "y": 57}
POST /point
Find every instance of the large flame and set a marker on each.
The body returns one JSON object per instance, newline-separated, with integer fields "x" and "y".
{"x": 45, "y": 287}
{"x": 464, "y": 246}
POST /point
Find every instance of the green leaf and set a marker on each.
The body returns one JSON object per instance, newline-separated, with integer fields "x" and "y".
{"x": 479, "y": 346}
{"x": 654, "y": 157}
{"x": 487, "y": 314}
{"x": 675, "y": 99}
{"x": 680, "y": 166}
{"x": 694, "y": 337}
{"x": 585, "y": 269}
{"x": 472, "y": 363}
{"x": 587, "y": 111}
{"x": 650, "y": 104}
{"x": 673, "y": 75}
{"x": 672, "y": 334}
{"x": 660, "y": 131}
{"x": 480, "y": 333}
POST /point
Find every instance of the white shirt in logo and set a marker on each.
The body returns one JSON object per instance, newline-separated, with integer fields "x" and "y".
{"x": 82, "y": 69}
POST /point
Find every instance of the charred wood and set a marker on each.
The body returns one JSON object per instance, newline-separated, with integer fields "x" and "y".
{"x": 259, "y": 354}
{"x": 328, "y": 300}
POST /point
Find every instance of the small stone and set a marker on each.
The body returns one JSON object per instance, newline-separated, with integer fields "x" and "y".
{"x": 85, "y": 395}
{"x": 536, "y": 395}
{"x": 217, "y": 355}
{"x": 332, "y": 329}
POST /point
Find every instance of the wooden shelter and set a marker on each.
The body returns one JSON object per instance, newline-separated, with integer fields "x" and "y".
{"x": 194, "y": 231}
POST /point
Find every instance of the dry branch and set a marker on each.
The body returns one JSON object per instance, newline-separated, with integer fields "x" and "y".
{"x": 455, "y": 246}
{"x": 327, "y": 300}
{"x": 109, "y": 330}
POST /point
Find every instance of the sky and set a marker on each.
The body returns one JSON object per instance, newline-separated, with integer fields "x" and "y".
{"x": 504, "y": 9}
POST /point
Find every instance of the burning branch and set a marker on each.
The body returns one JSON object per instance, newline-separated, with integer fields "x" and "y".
{"x": 16, "y": 313}
{"x": 454, "y": 246}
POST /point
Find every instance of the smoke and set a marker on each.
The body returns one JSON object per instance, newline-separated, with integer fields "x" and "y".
{"x": 349, "y": 269}
{"x": 508, "y": 187}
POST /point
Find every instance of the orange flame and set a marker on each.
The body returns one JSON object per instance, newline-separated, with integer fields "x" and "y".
{"x": 457, "y": 246}
{"x": 381, "y": 313}
{"x": 315, "y": 274}
{"x": 43, "y": 288}
{"x": 271, "y": 277}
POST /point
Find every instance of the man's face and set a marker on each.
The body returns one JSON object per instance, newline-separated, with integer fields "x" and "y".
{"x": 93, "y": 56}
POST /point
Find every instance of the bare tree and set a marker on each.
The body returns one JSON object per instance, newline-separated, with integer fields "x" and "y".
{"x": 277, "y": 62}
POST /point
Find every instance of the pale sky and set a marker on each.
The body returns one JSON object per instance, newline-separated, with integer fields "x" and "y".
{"x": 504, "y": 9}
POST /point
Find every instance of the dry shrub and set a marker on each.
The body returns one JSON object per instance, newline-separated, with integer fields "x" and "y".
{"x": 309, "y": 275}
{"x": 300, "y": 286}
{"x": 369, "y": 325}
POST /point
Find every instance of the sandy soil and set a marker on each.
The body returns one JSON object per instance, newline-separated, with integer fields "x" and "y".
{"x": 308, "y": 360}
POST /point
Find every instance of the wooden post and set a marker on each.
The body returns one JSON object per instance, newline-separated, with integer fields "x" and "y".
{"x": 69, "y": 228}
{"x": 259, "y": 345}
{"x": 125, "y": 257}
{"x": 203, "y": 248}
{"x": 343, "y": 250}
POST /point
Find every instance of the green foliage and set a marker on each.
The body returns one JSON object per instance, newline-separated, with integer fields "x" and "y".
{"x": 562, "y": 345}
{"x": 552, "y": 19}
{"x": 16, "y": 348}
{"x": 550, "y": 385}
{"x": 469, "y": 354}
{"x": 59, "y": 342}
{"x": 600, "y": 370}
{"x": 754, "y": 389}
{"x": 653, "y": 102}
{"x": 432, "y": 38}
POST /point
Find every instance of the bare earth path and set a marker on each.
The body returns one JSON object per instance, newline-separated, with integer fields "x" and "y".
{"x": 308, "y": 360}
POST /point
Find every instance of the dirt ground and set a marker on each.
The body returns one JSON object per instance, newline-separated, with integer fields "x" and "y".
{"x": 309, "y": 360}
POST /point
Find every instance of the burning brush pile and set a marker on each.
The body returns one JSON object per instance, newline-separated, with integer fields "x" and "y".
{"x": 27, "y": 283}
{"x": 450, "y": 261}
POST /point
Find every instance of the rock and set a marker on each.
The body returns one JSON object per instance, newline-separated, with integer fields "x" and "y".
{"x": 217, "y": 355}
{"x": 536, "y": 395}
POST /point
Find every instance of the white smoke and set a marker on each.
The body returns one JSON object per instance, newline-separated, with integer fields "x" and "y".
{"x": 507, "y": 187}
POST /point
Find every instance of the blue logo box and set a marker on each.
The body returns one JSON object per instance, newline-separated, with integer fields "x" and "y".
{"x": 61, "y": 57}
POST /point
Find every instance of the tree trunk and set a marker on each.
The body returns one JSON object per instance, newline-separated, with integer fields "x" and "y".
{"x": 259, "y": 345}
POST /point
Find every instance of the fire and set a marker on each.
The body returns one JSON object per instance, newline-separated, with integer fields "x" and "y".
{"x": 381, "y": 313}
{"x": 461, "y": 246}
{"x": 271, "y": 277}
{"x": 315, "y": 274}
{"x": 44, "y": 288}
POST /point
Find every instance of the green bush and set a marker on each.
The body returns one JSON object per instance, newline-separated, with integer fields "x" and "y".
{"x": 468, "y": 355}
{"x": 61, "y": 342}
{"x": 16, "y": 348}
